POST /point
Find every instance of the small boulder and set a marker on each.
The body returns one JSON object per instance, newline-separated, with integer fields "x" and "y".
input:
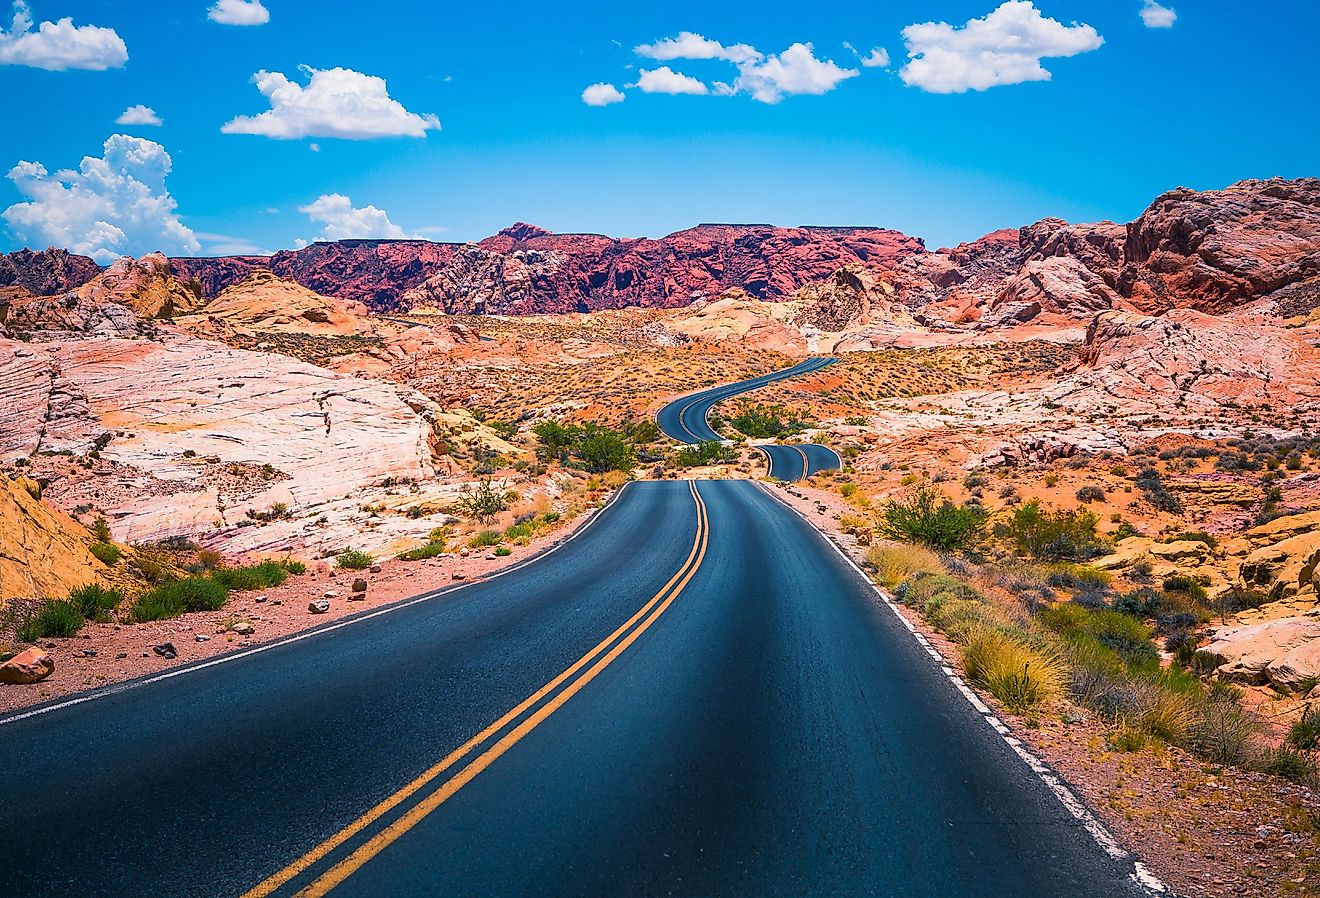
{"x": 202, "y": 637}
{"x": 318, "y": 606}
{"x": 28, "y": 666}
{"x": 166, "y": 650}
{"x": 359, "y": 585}
{"x": 375, "y": 569}
{"x": 243, "y": 628}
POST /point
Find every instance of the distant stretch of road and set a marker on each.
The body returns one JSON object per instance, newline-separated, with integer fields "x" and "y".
{"x": 684, "y": 420}
{"x": 697, "y": 696}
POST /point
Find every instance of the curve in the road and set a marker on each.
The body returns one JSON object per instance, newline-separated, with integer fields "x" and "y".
{"x": 685, "y": 420}
{"x": 760, "y": 727}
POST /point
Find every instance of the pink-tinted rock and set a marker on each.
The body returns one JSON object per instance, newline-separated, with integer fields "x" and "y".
{"x": 28, "y": 666}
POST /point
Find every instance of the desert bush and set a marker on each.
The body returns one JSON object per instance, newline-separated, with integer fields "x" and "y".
{"x": 1056, "y": 535}
{"x": 1186, "y": 585}
{"x": 482, "y": 501}
{"x": 55, "y": 618}
{"x": 253, "y": 576}
{"x": 1223, "y": 732}
{"x": 1090, "y": 493}
{"x": 353, "y": 560}
{"x": 1068, "y": 575}
{"x": 1305, "y": 733}
{"x": 708, "y": 452}
{"x": 101, "y": 530}
{"x": 106, "y": 553}
{"x": 764, "y": 421}
{"x": 926, "y": 516}
{"x": 294, "y": 566}
{"x": 94, "y": 601}
{"x": 503, "y": 551}
{"x": 894, "y": 564}
{"x": 1288, "y": 762}
{"x": 179, "y": 596}
{"x": 429, "y": 550}
{"x": 484, "y": 539}
{"x": 1128, "y": 636}
{"x": 209, "y": 559}
{"x": 1150, "y": 483}
{"x": 601, "y": 449}
{"x": 1018, "y": 675}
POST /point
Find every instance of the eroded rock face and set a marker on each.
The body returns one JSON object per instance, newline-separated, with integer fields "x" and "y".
{"x": 195, "y": 423}
{"x": 1215, "y": 250}
{"x": 1189, "y": 359}
{"x": 43, "y": 552}
{"x": 266, "y": 303}
{"x": 46, "y": 273}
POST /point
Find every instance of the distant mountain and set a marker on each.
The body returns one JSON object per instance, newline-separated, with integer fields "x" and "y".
{"x": 1210, "y": 251}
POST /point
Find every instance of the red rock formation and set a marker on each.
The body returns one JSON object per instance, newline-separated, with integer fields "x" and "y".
{"x": 1216, "y": 249}
{"x": 46, "y": 273}
{"x": 1209, "y": 251}
{"x": 525, "y": 269}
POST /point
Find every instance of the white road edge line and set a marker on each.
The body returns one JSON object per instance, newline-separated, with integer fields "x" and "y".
{"x": 1141, "y": 874}
{"x": 308, "y": 634}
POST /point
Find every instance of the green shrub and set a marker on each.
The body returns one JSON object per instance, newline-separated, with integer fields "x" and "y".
{"x": 252, "y": 576}
{"x": 178, "y": 596}
{"x": 1150, "y": 483}
{"x": 430, "y": 550}
{"x": 1069, "y": 575}
{"x": 1126, "y": 739}
{"x": 1289, "y": 763}
{"x": 503, "y": 551}
{"x": 1305, "y": 733}
{"x": 1018, "y": 675}
{"x": 294, "y": 566}
{"x": 1186, "y": 585}
{"x": 1223, "y": 733}
{"x": 1128, "y": 636}
{"x": 55, "y": 618}
{"x": 601, "y": 449}
{"x": 353, "y": 560}
{"x": 106, "y": 553}
{"x": 928, "y": 517}
{"x": 1056, "y": 535}
{"x": 101, "y": 530}
{"x": 94, "y": 601}
{"x": 708, "y": 452}
{"x": 765, "y": 421}
{"x": 1090, "y": 493}
{"x": 484, "y": 539}
{"x": 518, "y": 531}
{"x": 481, "y": 501}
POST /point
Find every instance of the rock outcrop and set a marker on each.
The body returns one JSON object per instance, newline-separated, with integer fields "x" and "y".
{"x": 266, "y": 303}
{"x": 43, "y": 552}
{"x": 1217, "y": 249}
{"x": 1190, "y": 360}
{"x": 28, "y": 666}
{"x": 46, "y": 273}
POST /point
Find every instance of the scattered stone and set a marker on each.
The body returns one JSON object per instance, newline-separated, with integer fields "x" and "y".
{"x": 29, "y": 666}
{"x": 318, "y": 606}
{"x": 202, "y": 638}
{"x": 375, "y": 569}
{"x": 166, "y": 650}
{"x": 89, "y": 653}
{"x": 359, "y": 585}
{"x": 457, "y": 576}
{"x": 243, "y": 628}
{"x": 262, "y": 598}
{"x": 330, "y": 594}
{"x": 121, "y": 656}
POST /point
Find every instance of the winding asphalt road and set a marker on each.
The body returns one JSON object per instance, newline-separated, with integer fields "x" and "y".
{"x": 684, "y": 420}
{"x": 695, "y": 696}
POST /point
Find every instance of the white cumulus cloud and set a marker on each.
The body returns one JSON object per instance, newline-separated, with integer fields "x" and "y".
{"x": 1004, "y": 47}
{"x": 665, "y": 80}
{"x": 794, "y": 71}
{"x": 113, "y": 204}
{"x": 601, "y": 95}
{"x": 693, "y": 46}
{"x": 62, "y": 45}
{"x": 138, "y": 115}
{"x": 238, "y": 12}
{"x": 767, "y": 78}
{"x": 341, "y": 220}
{"x": 335, "y": 102}
{"x": 1153, "y": 15}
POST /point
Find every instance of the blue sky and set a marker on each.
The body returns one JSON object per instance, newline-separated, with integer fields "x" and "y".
{"x": 1224, "y": 92}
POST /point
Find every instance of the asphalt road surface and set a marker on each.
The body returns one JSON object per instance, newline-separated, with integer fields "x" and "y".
{"x": 684, "y": 420}
{"x": 695, "y": 696}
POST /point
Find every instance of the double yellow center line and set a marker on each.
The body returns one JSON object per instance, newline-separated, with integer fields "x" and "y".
{"x": 594, "y": 661}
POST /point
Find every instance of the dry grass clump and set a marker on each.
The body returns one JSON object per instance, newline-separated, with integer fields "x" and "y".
{"x": 897, "y": 562}
{"x": 1019, "y": 675}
